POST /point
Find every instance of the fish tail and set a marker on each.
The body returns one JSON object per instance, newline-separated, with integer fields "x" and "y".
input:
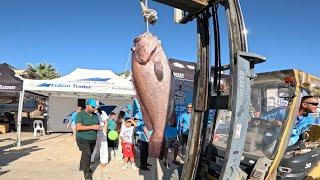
{"x": 156, "y": 144}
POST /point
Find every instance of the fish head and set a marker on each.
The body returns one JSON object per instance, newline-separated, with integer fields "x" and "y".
{"x": 144, "y": 47}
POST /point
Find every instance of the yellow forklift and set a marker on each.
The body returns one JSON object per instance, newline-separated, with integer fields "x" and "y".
{"x": 275, "y": 100}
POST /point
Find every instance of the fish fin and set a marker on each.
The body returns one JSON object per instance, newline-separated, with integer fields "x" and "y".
{"x": 158, "y": 70}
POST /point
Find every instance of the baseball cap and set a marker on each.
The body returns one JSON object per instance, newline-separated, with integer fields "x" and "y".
{"x": 91, "y": 102}
{"x": 127, "y": 118}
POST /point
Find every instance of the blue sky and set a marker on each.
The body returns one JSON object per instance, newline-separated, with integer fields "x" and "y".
{"x": 98, "y": 34}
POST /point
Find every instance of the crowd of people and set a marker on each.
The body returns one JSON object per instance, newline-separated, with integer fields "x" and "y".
{"x": 92, "y": 125}
{"x": 92, "y": 129}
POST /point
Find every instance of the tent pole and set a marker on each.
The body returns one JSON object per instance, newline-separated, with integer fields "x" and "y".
{"x": 19, "y": 118}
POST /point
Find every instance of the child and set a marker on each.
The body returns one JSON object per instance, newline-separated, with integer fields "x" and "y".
{"x": 112, "y": 127}
{"x": 126, "y": 136}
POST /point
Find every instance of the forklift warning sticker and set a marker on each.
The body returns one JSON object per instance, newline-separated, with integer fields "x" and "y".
{"x": 238, "y": 131}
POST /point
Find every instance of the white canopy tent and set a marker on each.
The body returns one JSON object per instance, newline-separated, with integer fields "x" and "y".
{"x": 83, "y": 83}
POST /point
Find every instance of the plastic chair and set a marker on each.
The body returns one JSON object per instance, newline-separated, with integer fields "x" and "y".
{"x": 38, "y": 126}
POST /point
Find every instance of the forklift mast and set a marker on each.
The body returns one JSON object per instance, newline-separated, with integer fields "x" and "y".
{"x": 241, "y": 76}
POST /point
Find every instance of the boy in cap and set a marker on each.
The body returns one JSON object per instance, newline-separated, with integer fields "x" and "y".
{"x": 126, "y": 136}
{"x": 87, "y": 125}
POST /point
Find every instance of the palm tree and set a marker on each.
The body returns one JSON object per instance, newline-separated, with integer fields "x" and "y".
{"x": 42, "y": 70}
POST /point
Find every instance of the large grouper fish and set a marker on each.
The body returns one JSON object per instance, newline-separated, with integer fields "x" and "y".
{"x": 153, "y": 81}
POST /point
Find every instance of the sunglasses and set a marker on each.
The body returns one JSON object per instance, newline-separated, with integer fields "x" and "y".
{"x": 315, "y": 104}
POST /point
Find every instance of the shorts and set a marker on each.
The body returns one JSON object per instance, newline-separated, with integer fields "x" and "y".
{"x": 112, "y": 144}
{"x": 171, "y": 142}
{"x": 73, "y": 125}
{"x": 128, "y": 150}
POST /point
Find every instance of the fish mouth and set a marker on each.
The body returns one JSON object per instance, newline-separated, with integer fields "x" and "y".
{"x": 141, "y": 36}
{"x": 143, "y": 39}
{"x": 152, "y": 54}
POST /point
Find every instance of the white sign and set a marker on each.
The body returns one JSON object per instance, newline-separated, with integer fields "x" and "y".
{"x": 7, "y": 87}
{"x": 178, "y": 75}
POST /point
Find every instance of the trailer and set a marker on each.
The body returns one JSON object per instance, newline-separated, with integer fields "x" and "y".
{"x": 61, "y": 108}
{"x": 67, "y": 92}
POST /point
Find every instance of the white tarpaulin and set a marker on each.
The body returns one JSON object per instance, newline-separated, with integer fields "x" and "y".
{"x": 84, "y": 81}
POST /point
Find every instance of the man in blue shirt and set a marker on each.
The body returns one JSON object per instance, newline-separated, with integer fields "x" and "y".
{"x": 184, "y": 120}
{"x": 72, "y": 121}
{"x": 143, "y": 139}
{"x": 304, "y": 119}
{"x": 143, "y": 135}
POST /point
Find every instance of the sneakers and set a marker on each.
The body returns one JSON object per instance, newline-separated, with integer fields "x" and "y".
{"x": 134, "y": 167}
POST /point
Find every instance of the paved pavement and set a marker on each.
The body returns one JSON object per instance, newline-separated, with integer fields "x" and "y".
{"x": 56, "y": 156}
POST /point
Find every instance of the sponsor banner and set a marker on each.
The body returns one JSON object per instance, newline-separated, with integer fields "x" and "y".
{"x": 8, "y": 80}
{"x": 182, "y": 70}
{"x": 92, "y": 85}
{"x": 6, "y": 87}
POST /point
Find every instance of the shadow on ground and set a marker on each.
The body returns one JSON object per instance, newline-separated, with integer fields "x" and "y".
{"x": 172, "y": 171}
{"x": 3, "y": 172}
{"x": 10, "y": 153}
{"x": 8, "y": 156}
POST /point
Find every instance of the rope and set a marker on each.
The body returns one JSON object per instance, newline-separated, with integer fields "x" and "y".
{"x": 125, "y": 71}
{"x": 150, "y": 15}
